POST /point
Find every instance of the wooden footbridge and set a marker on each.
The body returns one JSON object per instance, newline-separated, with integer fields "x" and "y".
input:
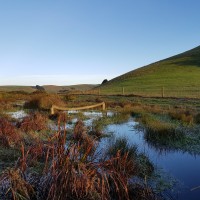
{"x": 53, "y": 108}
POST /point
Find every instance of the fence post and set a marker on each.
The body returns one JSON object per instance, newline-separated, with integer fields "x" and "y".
{"x": 99, "y": 92}
{"x": 122, "y": 90}
{"x": 104, "y": 106}
{"x": 163, "y": 92}
{"x": 52, "y": 110}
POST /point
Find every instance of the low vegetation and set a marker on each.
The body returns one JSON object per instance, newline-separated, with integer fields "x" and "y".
{"x": 72, "y": 170}
{"x": 33, "y": 122}
{"x": 41, "y": 162}
{"x": 9, "y": 135}
{"x": 43, "y": 101}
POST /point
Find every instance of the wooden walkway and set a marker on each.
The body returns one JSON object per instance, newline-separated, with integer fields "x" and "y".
{"x": 53, "y": 108}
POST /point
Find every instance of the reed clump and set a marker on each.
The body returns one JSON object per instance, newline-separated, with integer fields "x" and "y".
{"x": 71, "y": 170}
{"x": 43, "y": 101}
{"x": 184, "y": 116}
{"x": 9, "y": 135}
{"x": 141, "y": 165}
{"x": 33, "y": 122}
{"x": 157, "y": 126}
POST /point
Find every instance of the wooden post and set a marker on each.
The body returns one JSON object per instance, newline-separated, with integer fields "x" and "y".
{"x": 163, "y": 92}
{"x": 52, "y": 110}
{"x": 104, "y": 106}
{"x": 122, "y": 90}
{"x": 99, "y": 92}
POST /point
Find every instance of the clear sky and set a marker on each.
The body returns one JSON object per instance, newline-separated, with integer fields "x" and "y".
{"x": 67, "y": 42}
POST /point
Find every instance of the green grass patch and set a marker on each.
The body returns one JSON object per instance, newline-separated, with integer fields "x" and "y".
{"x": 179, "y": 75}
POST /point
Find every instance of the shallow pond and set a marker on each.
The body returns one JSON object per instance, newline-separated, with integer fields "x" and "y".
{"x": 181, "y": 167}
{"x": 184, "y": 167}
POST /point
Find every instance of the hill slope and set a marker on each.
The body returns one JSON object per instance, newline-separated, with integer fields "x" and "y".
{"x": 179, "y": 75}
{"x": 48, "y": 88}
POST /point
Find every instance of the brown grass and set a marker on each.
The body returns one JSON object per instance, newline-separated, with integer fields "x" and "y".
{"x": 71, "y": 171}
{"x": 33, "y": 122}
{"x": 16, "y": 186}
{"x": 9, "y": 136}
{"x": 44, "y": 101}
{"x": 184, "y": 116}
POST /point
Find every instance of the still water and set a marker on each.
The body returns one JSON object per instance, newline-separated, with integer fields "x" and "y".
{"x": 181, "y": 166}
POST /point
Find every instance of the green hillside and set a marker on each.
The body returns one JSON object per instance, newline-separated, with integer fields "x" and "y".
{"x": 178, "y": 75}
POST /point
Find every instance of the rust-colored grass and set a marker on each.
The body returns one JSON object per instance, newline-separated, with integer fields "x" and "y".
{"x": 72, "y": 171}
{"x": 9, "y": 136}
{"x": 33, "y": 122}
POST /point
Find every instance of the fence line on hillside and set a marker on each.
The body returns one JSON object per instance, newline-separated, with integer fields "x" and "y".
{"x": 161, "y": 91}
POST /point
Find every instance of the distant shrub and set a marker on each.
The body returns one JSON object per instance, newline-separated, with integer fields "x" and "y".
{"x": 44, "y": 101}
{"x": 40, "y": 88}
{"x": 104, "y": 81}
{"x": 69, "y": 97}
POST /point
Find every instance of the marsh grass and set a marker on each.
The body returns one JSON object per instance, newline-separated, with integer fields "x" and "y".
{"x": 33, "y": 122}
{"x": 160, "y": 131}
{"x": 43, "y": 101}
{"x": 167, "y": 134}
{"x": 9, "y": 135}
{"x": 142, "y": 167}
{"x": 184, "y": 116}
{"x": 71, "y": 170}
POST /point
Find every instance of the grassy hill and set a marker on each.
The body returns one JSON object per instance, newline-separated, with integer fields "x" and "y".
{"x": 15, "y": 88}
{"x": 48, "y": 88}
{"x": 178, "y": 75}
{"x": 60, "y": 89}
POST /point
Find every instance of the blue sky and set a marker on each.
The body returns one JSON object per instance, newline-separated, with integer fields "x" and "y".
{"x": 67, "y": 42}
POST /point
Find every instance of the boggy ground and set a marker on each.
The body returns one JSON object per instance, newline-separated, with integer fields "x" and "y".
{"x": 39, "y": 163}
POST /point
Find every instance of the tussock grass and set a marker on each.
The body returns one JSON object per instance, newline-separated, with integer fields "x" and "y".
{"x": 158, "y": 128}
{"x": 43, "y": 101}
{"x": 9, "y": 136}
{"x": 33, "y": 122}
{"x": 165, "y": 134}
{"x": 184, "y": 116}
{"x": 71, "y": 170}
{"x": 141, "y": 165}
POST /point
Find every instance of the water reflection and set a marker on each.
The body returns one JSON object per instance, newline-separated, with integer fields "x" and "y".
{"x": 182, "y": 164}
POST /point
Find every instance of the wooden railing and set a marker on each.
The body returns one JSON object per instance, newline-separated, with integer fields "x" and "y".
{"x": 53, "y": 108}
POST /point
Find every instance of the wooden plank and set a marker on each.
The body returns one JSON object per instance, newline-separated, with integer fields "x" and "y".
{"x": 53, "y": 108}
